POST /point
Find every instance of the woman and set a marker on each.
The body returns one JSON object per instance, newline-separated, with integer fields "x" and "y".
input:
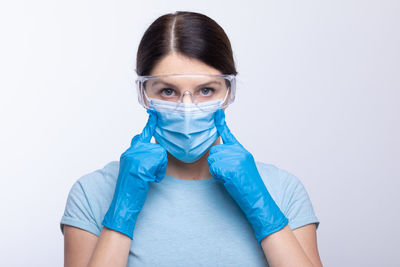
{"x": 188, "y": 199}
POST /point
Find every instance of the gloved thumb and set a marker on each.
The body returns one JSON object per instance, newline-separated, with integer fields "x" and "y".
{"x": 222, "y": 128}
{"x": 148, "y": 130}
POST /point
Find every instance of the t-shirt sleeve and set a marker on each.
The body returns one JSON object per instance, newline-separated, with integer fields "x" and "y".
{"x": 78, "y": 211}
{"x": 297, "y": 204}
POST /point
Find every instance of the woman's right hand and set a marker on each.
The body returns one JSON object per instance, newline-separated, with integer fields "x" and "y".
{"x": 142, "y": 163}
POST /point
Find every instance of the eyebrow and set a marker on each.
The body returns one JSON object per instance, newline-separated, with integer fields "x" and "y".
{"x": 172, "y": 85}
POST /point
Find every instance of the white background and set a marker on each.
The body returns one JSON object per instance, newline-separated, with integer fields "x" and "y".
{"x": 318, "y": 95}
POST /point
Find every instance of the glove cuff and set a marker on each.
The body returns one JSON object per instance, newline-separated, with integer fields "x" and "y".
{"x": 265, "y": 216}
{"x": 123, "y": 229}
{"x": 124, "y": 225}
{"x": 265, "y": 231}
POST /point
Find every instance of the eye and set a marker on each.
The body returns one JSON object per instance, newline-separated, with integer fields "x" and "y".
{"x": 167, "y": 91}
{"x": 207, "y": 91}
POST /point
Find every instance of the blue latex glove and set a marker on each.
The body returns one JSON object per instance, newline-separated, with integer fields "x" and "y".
{"x": 235, "y": 167}
{"x": 142, "y": 163}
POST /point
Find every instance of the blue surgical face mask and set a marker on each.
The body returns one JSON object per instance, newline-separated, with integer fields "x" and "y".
{"x": 186, "y": 131}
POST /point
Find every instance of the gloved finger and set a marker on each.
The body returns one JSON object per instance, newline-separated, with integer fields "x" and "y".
{"x": 227, "y": 149}
{"x": 211, "y": 159}
{"x": 216, "y": 170}
{"x": 222, "y": 128}
{"x": 227, "y": 153}
{"x": 214, "y": 149}
{"x": 148, "y": 130}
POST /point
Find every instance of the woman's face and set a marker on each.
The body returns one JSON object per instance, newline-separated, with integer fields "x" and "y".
{"x": 175, "y": 63}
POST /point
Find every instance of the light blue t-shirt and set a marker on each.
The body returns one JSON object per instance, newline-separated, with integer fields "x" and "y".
{"x": 188, "y": 222}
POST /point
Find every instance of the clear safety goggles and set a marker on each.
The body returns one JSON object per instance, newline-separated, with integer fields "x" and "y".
{"x": 179, "y": 89}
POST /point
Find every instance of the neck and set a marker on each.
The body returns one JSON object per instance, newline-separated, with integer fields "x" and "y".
{"x": 197, "y": 170}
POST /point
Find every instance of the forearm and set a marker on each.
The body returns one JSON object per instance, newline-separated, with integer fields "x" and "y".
{"x": 112, "y": 249}
{"x": 282, "y": 249}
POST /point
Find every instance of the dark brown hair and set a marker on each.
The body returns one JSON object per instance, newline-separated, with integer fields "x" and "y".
{"x": 191, "y": 34}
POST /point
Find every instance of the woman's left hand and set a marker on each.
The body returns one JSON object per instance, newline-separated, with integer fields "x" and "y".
{"x": 233, "y": 165}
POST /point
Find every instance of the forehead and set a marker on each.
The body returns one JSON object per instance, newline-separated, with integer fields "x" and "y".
{"x": 175, "y": 63}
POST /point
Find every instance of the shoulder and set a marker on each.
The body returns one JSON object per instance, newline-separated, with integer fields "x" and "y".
{"x": 90, "y": 197}
{"x": 99, "y": 185}
{"x": 100, "y": 178}
{"x": 276, "y": 178}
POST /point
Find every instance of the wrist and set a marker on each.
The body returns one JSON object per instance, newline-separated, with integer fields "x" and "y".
{"x": 122, "y": 227}
{"x": 263, "y": 230}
